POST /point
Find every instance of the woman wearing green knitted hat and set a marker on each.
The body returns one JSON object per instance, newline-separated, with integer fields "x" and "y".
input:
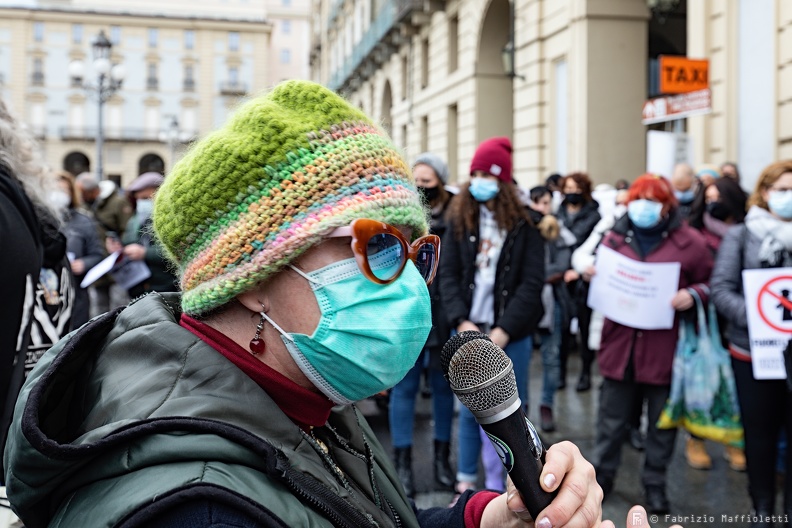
{"x": 300, "y": 242}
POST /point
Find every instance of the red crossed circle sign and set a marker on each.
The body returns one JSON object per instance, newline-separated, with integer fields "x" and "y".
{"x": 766, "y": 293}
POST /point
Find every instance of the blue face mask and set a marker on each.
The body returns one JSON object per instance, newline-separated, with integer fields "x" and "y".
{"x": 644, "y": 213}
{"x": 369, "y": 335}
{"x": 780, "y": 204}
{"x": 483, "y": 189}
{"x": 685, "y": 197}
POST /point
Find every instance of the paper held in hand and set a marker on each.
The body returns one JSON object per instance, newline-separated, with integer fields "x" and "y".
{"x": 768, "y": 305}
{"x": 126, "y": 272}
{"x": 634, "y": 293}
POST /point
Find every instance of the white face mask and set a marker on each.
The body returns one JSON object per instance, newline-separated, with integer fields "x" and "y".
{"x": 60, "y": 200}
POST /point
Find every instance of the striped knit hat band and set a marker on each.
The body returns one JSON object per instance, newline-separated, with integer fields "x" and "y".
{"x": 229, "y": 224}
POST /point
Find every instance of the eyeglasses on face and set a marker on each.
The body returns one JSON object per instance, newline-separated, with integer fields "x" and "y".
{"x": 381, "y": 250}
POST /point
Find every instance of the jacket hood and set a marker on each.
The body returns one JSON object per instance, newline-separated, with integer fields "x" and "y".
{"x": 129, "y": 374}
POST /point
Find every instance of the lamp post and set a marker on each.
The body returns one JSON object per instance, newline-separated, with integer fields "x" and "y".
{"x": 108, "y": 81}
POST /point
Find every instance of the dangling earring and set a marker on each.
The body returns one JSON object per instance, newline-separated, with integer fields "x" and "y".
{"x": 257, "y": 345}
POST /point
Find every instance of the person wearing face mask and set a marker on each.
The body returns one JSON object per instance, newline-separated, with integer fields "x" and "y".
{"x": 636, "y": 363}
{"x": 579, "y": 213}
{"x": 431, "y": 175}
{"x": 763, "y": 241}
{"x": 138, "y": 242}
{"x": 491, "y": 280}
{"x": 715, "y": 211}
{"x": 303, "y": 251}
{"x": 686, "y": 186}
{"x": 83, "y": 247}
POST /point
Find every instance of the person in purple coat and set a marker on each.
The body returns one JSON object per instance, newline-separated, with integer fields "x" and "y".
{"x": 637, "y": 363}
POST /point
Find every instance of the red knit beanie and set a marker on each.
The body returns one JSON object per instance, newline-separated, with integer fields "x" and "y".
{"x": 494, "y": 156}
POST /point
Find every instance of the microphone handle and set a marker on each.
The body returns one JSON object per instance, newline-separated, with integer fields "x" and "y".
{"x": 515, "y": 440}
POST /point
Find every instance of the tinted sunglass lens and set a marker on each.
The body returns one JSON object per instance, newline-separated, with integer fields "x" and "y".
{"x": 425, "y": 261}
{"x": 385, "y": 255}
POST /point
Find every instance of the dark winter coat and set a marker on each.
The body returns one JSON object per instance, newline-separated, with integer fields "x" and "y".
{"x": 520, "y": 276}
{"x": 651, "y": 352}
{"x": 82, "y": 241}
{"x": 162, "y": 278}
{"x": 440, "y": 329}
{"x": 582, "y": 224}
{"x": 134, "y": 421}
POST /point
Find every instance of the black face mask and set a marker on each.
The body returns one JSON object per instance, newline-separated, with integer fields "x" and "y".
{"x": 429, "y": 193}
{"x": 574, "y": 198}
{"x": 718, "y": 211}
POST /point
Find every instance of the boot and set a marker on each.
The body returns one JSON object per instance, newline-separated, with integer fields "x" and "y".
{"x": 656, "y": 500}
{"x": 736, "y": 458}
{"x": 403, "y": 458}
{"x": 696, "y": 454}
{"x": 584, "y": 383}
{"x": 444, "y": 476}
{"x": 546, "y": 416}
{"x": 762, "y": 513}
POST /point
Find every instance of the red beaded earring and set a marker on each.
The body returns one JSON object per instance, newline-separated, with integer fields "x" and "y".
{"x": 257, "y": 345}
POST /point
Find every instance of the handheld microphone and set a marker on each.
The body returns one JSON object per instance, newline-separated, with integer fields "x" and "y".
{"x": 482, "y": 377}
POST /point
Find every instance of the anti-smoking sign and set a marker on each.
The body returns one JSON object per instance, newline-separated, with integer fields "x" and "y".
{"x": 768, "y": 303}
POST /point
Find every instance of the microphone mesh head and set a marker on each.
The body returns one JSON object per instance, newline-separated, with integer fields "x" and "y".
{"x": 453, "y": 344}
{"x": 476, "y": 363}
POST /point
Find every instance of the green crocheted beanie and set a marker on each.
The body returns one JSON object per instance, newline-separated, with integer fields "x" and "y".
{"x": 285, "y": 169}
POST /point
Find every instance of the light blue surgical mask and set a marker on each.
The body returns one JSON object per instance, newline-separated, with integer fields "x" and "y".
{"x": 685, "y": 197}
{"x": 143, "y": 208}
{"x": 483, "y": 189}
{"x": 780, "y": 203}
{"x": 369, "y": 335}
{"x": 644, "y": 213}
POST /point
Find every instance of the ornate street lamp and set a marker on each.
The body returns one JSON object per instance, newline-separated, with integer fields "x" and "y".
{"x": 507, "y": 53}
{"x": 109, "y": 78}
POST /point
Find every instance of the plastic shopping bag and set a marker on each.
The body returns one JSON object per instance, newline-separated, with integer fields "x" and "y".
{"x": 703, "y": 396}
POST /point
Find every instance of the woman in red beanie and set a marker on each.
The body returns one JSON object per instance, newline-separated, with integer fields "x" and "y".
{"x": 491, "y": 279}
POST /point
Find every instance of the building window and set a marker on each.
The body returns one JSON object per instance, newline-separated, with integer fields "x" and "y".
{"x": 151, "y": 81}
{"x": 286, "y": 27}
{"x": 38, "y": 31}
{"x": 452, "y": 135}
{"x": 285, "y": 56}
{"x": 189, "y": 39}
{"x": 233, "y": 41}
{"x": 425, "y": 133}
{"x": 453, "y": 43}
{"x": 189, "y": 78}
{"x": 153, "y": 37}
{"x": 37, "y": 77}
{"x": 286, "y": 3}
{"x": 77, "y": 33}
{"x": 425, "y": 63}
{"x": 115, "y": 35}
{"x": 233, "y": 76}
{"x": 405, "y": 76}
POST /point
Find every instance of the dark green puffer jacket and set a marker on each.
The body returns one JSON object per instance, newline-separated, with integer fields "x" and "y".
{"x": 133, "y": 414}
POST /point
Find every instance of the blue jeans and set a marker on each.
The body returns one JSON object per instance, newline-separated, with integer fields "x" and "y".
{"x": 551, "y": 358}
{"x": 469, "y": 440}
{"x": 401, "y": 412}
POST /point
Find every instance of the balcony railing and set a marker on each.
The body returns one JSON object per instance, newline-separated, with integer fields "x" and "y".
{"x": 189, "y": 85}
{"x": 37, "y": 79}
{"x": 380, "y": 34}
{"x": 152, "y": 83}
{"x": 233, "y": 88}
{"x": 124, "y": 134}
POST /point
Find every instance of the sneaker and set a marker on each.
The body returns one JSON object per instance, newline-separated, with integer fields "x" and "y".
{"x": 696, "y": 454}
{"x": 735, "y": 457}
{"x": 547, "y": 422}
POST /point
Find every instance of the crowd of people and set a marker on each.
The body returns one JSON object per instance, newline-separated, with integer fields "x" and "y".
{"x": 307, "y": 275}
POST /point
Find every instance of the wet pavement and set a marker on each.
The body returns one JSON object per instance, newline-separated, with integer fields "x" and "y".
{"x": 716, "y": 497}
